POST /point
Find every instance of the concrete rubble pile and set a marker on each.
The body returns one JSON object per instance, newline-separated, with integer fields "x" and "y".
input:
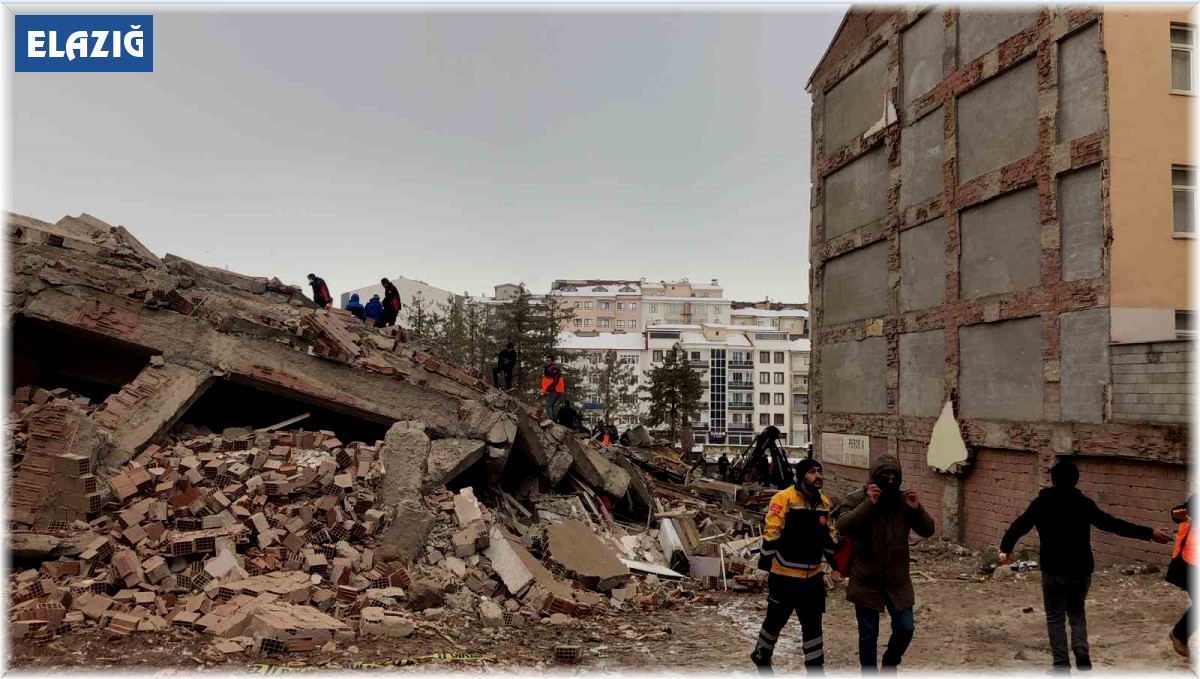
{"x": 129, "y": 517}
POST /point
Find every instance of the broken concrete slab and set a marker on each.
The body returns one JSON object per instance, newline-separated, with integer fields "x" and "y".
{"x": 598, "y": 472}
{"x": 148, "y": 406}
{"x": 450, "y": 457}
{"x": 28, "y": 545}
{"x": 508, "y": 564}
{"x": 581, "y": 554}
{"x": 467, "y": 509}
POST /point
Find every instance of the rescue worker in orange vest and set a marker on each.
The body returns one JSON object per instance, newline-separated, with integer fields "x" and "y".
{"x": 1179, "y": 573}
{"x": 552, "y": 386}
{"x": 799, "y": 535}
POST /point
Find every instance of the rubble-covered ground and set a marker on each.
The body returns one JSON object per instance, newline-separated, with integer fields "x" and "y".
{"x": 965, "y": 622}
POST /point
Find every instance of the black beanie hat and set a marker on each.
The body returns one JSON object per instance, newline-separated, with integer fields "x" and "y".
{"x": 803, "y": 466}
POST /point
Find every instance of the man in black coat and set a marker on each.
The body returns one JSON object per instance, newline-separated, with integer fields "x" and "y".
{"x": 1064, "y": 517}
{"x": 321, "y": 296}
{"x": 391, "y": 303}
{"x": 506, "y": 361}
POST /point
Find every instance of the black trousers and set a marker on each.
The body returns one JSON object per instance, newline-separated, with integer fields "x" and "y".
{"x": 497, "y": 372}
{"x": 1183, "y": 628}
{"x": 1063, "y": 597}
{"x": 805, "y": 597}
{"x": 389, "y": 317}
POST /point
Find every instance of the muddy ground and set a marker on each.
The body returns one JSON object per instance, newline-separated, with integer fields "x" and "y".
{"x": 962, "y": 625}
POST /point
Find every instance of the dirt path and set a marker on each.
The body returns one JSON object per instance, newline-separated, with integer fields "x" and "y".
{"x": 961, "y": 626}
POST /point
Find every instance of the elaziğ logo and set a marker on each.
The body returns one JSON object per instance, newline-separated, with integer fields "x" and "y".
{"x": 97, "y": 43}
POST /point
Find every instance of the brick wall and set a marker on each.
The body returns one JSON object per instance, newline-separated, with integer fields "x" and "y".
{"x": 1151, "y": 382}
{"x": 998, "y": 487}
{"x": 1141, "y": 492}
{"x": 920, "y": 477}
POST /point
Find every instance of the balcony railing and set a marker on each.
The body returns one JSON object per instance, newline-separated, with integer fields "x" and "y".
{"x": 740, "y": 405}
{"x": 741, "y": 426}
{"x": 742, "y": 386}
{"x": 699, "y": 426}
{"x": 741, "y": 364}
{"x": 697, "y": 363}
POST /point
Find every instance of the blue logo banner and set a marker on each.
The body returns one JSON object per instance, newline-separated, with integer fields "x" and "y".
{"x": 84, "y": 43}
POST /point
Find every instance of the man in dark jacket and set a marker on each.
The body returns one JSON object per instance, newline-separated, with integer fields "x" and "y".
{"x": 877, "y": 520}
{"x": 321, "y": 295}
{"x": 506, "y": 361}
{"x": 1064, "y": 517}
{"x": 391, "y": 303}
{"x": 723, "y": 466}
{"x": 568, "y": 417}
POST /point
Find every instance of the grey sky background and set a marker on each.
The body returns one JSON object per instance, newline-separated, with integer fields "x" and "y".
{"x": 460, "y": 146}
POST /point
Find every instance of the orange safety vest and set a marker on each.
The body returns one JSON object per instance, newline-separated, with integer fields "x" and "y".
{"x": 607, "y": 441}
{"x": 1189, "y": 548}
{"x": 547, "y": 381}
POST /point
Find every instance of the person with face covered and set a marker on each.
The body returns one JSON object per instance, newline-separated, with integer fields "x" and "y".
{"x": 798, "y": 535}
{"x": 877, "y": 520}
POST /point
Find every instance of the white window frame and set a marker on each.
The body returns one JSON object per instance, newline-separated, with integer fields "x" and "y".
{"x": 587, "y": 322}
{"x": 764, "y": 378}
{"x": 604, "y": 322}
{"x": 631, "y": 323}
{"x": 633, "y": 306}
{"x": 1190, "y": 50}
{"x": 764, "y": 419}
{"x": 578, "y": 322}
{"x": 1183, "y": 188}
{"x": 620, "y": 323}
{"x": 657, "y": 356}
{"x": 605, "y": 306}
{"x": 778, "y": 378}
{"x": 779, "y": 399}
{"x": 587, "y": 306}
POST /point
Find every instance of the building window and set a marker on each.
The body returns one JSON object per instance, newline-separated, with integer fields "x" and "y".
{"x": 1185, "y": 327}
{"x": 605, "y": 306}
{"x": 587, "y": 322}
{"x": 778, "y": 419}
{"x": 633, "y": 306}
{"x": 764, "y": 419}
{"x": 620, "y": 323}
{"x": 1183, "y": 55}
{"x": 578, "y": 322}
{"x": 653, "y": 308}
{"x": 764, "y": 378}
{"x": 778, "y": 378}
{"x": 764, "y": 357}
{"x": 779, "y": 399}
{"x": 658, "y": 355}
{"x": 629, "y": 359}
{"x": 603, "y": 322}
{"x": 779, "y": 357}
{"x": 587, "y": 305}
{"x": 631, "y": 323}
{"x": 737, "y": 418}
{"x": 695, "y": 355}
{"x": 1183, "y": 192}
{"x": 764, "y": 399}
{"x": 594, "y": 359}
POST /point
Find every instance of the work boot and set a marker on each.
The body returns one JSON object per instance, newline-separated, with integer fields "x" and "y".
{"x": 1180, "y": 647}
{"x": 1083, "y": 662}
{"x": 763, "y": 662}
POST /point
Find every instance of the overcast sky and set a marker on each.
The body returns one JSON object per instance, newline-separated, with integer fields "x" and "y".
{"x": 460, "y": 146}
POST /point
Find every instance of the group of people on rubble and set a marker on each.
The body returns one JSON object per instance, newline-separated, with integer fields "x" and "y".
{"x": 375, "y": 313}
{"x": 865, "y": 537}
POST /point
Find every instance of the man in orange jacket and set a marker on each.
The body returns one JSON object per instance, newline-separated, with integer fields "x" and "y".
{"x": 1183, "y": 562}
{"x": 552, "y": 386}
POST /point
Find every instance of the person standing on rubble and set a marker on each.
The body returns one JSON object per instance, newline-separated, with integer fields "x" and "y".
{"x": 798, "y": 536}
{"x": 321, "y": 295}
{"x": 355, "y": 307}
{"x": 1064, "y": 517}
{"x": 552, "y": 386}
{"x": 506, "y": 361}
{"x": 391, "y": 303}
{"x": 373, "y": 312}
{"x": 723, "y": 466}
{"x": 877, "y": 519}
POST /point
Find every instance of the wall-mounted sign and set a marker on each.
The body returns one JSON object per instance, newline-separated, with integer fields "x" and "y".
{"x": 847, "y": 450}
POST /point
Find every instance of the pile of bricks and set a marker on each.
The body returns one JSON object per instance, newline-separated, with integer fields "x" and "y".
{"x": 329, "y": 336}
{"x": 49, "y": 482}
{"x": 241, "y": 537}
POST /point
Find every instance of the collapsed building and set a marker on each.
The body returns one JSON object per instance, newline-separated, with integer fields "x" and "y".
{"x": 199, "y": 448}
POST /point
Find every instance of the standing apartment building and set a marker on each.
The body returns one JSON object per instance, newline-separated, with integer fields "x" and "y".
{"x": 1002, "y": 215}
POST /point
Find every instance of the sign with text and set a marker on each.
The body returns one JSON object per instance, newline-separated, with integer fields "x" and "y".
{"x": 84, "y": 43}
{"x": 846, "y": 450}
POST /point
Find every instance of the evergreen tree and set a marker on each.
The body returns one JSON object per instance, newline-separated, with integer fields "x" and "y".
{"x": 614, "y": 385}
{"x": 423, "y": 320}
{"x": 533, "y": 328}
{"x": 675, "y": 391}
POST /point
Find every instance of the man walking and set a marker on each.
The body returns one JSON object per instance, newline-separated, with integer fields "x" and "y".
{"x": 552, "y": 386}
{"x": 877, "y": 520}
{"x": 391, "y": 303}
{"x": 723, "y": 466}
{"x": 1064, "y": 517}
{"x": 798, "y": 536}
{"x": 506, "y": 361}
{"x": 1183, "y": 561}
{"x": 321, "y": 295}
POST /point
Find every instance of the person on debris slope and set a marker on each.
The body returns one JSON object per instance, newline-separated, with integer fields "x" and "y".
{"x": 568, "y": 417}
{"x": 391, "y": 303}
{"x": 1064, "y": 517}
{"x": 1179, "y": 573}
{"x": 506, "y": 361}
{"x": 355, "y": 307}
{"x": 723, "y": 466}
{"x": 552, "y": 386}
{"x": 321, "y": 295}
{"x": 373, "y": 312}
{"x": 877, "y": 519}
{"x": 799, "y": 534}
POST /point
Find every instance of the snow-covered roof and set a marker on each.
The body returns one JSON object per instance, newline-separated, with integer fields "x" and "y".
{"x": 802, "y": 344}
{"x": 768, "y": 313}
{"x": 602, "y": 341}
